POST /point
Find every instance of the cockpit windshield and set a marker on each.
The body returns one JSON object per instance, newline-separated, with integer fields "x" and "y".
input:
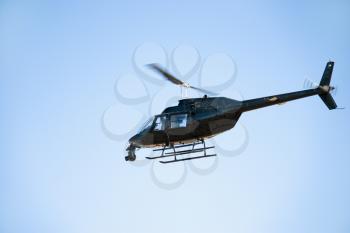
{"x": 147, "y": 124}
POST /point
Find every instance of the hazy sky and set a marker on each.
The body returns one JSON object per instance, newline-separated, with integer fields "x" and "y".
{"x": 60, "y": 172}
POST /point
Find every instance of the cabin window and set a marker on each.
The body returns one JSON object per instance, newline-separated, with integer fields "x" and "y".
{"x": 160, "y": 123}
{"x": 178, "y": 121}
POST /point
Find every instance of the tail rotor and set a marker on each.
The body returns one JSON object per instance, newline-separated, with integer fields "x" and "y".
{"x": 308, "y": 84}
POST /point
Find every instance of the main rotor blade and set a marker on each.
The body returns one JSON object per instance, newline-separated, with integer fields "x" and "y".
{"x": 203, "y": 90}
{"x": 176, "y": 81}
{"x": 166, "y": 74}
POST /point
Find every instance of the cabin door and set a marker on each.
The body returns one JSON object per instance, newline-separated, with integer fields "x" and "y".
{"x": 159, "y": 131}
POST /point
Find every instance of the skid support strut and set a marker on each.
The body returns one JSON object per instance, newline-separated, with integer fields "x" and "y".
{"x": 175, "y": 153}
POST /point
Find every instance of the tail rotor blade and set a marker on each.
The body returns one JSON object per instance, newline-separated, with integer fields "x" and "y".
{"x": 308, "y": 84}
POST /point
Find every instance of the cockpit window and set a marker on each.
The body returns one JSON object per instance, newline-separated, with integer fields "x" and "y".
{"x": 178, "y": 121}
{"x": 147, "y": 124}
{"x": 160, "y": 123}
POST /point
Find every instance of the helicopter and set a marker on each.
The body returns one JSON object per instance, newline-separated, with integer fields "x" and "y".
{"x": 178, "y": 130}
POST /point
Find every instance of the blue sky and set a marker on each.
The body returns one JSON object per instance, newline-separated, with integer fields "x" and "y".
{"x": 60, "y": 173}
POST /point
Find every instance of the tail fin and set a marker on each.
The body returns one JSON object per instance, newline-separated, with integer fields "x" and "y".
{"x": 324, "y": 85}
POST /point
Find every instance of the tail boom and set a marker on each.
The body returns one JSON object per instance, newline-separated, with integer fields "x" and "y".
{"x": 323, "y": 90}
{"x": 253, "y": 104}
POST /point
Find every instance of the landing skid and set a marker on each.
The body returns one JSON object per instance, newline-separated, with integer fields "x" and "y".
{"x": 183, "y": 152}
{"x": 190, "y": 158}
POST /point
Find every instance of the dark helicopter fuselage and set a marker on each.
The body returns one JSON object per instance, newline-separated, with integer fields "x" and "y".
{"x": 199, "y": 118}
{"x": 192, "y": 119}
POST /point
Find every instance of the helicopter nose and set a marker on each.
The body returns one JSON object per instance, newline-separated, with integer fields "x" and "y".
{"x": 135, "y": 140}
